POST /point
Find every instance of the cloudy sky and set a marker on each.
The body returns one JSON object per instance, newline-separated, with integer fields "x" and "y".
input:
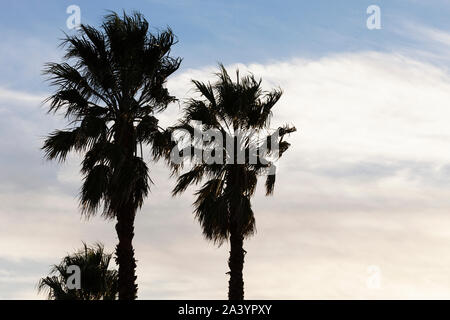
{"x": 361, "y": 208}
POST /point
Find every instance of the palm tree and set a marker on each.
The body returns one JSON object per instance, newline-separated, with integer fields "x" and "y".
{"x": 239, "y": 112}
{"x": 110, "y": 94}
{"x": 97, "y": 281}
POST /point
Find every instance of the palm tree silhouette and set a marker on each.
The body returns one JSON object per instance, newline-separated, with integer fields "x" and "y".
{"x": 97, "y": 281}
{"x": 239, "y": 112}
{"x": 110, "y": 94}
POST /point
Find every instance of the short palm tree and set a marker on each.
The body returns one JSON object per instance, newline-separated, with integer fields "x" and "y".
{"x": 97, "y": 281}
{"x": 239, "y": 112}
{"x": 110, "y": 93}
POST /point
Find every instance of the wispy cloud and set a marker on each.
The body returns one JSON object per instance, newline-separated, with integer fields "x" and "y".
{"x": 423, "y": 41}
{"x": 431, "y": 34}
{"x": 20, "y": 96}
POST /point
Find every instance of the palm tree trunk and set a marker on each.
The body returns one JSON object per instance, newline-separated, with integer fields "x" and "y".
{"x": 124, "y": 136}
{"x": 125, "y": 254}
{"x": 236, "y": 265}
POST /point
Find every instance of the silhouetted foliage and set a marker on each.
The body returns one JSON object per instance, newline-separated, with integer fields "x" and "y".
{"x": 110, "y": 88}
{"x": 97, "y": 281}
{"x": 240, "y": 112}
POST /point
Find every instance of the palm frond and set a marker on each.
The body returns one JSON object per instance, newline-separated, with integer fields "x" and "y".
{"x": 94, "y": 189}
{"x": 60, "y": 143}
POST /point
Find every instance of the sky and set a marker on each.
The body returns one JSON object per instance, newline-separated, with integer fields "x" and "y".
{"x": 361, "y": 208}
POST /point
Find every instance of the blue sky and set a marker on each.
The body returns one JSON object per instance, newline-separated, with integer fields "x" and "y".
{"x": 226, "y": 31}
{"x": 366, "y": 182}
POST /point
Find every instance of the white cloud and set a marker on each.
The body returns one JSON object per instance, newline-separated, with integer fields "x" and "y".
{"x": 431, "y": 34}
{"x": 365, "y": 183}
{"x": 424, "y": 42}
{"x": 9, "y": 95}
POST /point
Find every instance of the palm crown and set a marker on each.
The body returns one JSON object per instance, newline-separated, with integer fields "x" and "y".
{"x": 237, "y": 112}
{"x": 110, "y": 94}
{"x": 97, "y": 281}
